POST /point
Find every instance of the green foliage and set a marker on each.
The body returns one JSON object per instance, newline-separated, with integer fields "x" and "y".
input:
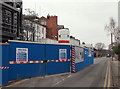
{"x": 117, "y": 49}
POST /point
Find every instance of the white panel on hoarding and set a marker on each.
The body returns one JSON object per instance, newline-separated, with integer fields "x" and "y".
{"x": 62, "y": 54}
{"x": 79, "y": 54}
{"x": 21, "y": 54}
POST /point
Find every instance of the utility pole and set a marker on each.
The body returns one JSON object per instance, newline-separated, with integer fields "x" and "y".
{"x": 112, "y": 45}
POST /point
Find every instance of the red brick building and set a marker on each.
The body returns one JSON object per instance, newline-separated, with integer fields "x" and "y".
{"x": 51, "y": 22}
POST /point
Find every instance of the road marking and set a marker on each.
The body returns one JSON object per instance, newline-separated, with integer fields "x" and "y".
{"x": 109, "y": 76}
{"x": 107, "y": 81}
{"x": 61, "y": 80}
{"x": 57, "y": 74}
{"x": 69, "y": 76}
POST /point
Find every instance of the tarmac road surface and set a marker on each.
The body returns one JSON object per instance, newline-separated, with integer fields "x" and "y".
{"x": 92, "y": 76}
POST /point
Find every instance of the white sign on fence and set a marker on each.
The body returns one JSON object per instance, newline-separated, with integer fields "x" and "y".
{"x": 21, "y": 54}
{"x": 62, "y": 54}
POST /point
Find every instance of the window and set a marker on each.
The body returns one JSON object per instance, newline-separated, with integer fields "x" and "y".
{"x": 42, "y": 30}
{"x": 43, "y": 22}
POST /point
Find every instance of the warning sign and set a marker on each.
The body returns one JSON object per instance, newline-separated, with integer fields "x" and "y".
{"x": 62, "y": 54}
{"x": 89, "y": 53}
{"x": 21, "y": 54}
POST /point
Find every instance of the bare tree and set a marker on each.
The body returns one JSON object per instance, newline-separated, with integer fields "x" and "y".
{"x": 112, "y": 29}
{"x": 100, "y": 46}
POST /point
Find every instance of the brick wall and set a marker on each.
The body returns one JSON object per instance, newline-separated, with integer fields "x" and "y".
{"x": 52, "y": 27}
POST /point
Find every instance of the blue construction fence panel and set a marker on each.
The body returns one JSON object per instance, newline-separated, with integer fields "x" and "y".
{"x": 89, "y": 56}
{"x": 4, "y": 56}
{"x": 25, "y": 57}
{"x": 0, "y": 64}
{"x": 26, "y": 60}
{"x": 21, "y": 60}
{"x": 83, "y": 58}
{"x": 58, "y": 57}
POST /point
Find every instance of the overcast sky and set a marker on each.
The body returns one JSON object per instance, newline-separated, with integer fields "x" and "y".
{"x": 85, "y": 19}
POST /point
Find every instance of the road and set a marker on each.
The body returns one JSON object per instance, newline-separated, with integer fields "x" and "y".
{"x": 91, "y": 76}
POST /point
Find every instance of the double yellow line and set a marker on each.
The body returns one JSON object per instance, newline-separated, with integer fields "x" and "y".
{"x": 107, "y": 82}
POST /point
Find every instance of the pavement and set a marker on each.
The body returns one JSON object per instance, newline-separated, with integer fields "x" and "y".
{"x": 95, "y": 75}
{"x": 115, "y": 70}
{"x": 44, "y": 81}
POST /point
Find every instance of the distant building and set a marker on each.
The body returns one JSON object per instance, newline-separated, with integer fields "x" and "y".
{"x": 51, "y": 22}
{"x": 10, "y": 20}
{"x": 101, "y": 53}
{"x": 89, "y": 46}
{"x": 43, "y": 21}
{"x": 33, "y": 30}
{"x": 60, "y": 26}
{"x": 74, "y": 41}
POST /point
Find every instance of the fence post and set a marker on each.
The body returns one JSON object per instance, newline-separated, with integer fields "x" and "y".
{"x": 73, "y": 59}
